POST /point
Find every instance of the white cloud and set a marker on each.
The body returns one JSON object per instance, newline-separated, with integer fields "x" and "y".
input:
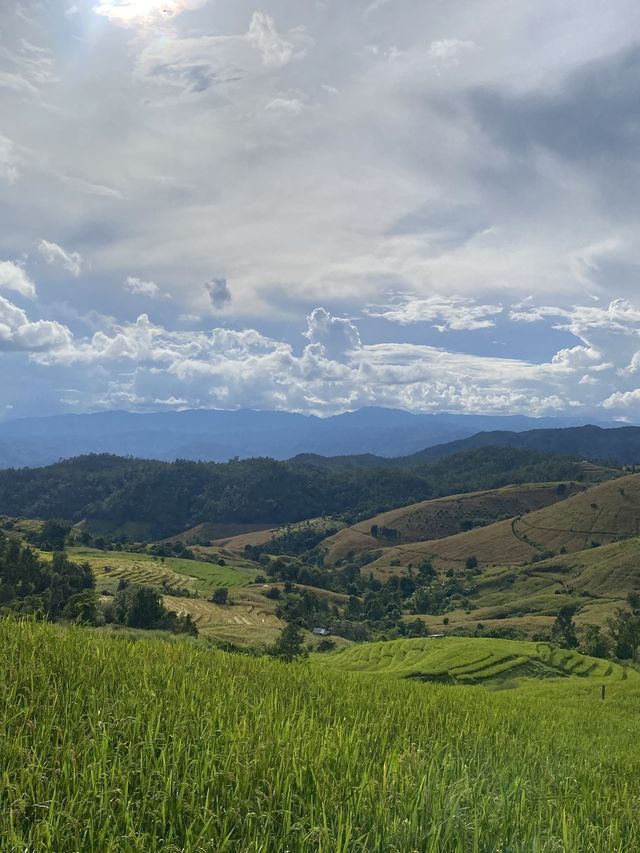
{"x": 335, "y": 336}
{"x": 17, "y": 83}
{"x": 455, "y": 313}
{"x": 54, "y": 254}
{"x": 144, "y": 12}
{"x": 446, "y": 53}
{"x": 13, "y": 277}
{"x": 8, "y": 163}
{"x": 275, "y": 50}
{"x": 283, "y": 104}
{"x": 142, "y": 288}
{"x": 18, "y": 333}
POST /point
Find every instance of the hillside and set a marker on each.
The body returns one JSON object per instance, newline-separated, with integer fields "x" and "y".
{"x": 443, "y": 517}
{"x": 602, "y": 514}
{"x": 596, "y": 582}
{"x": 620, "y": 444}
{"x": 140, "y": 499}
{"x": 458, "y": 660}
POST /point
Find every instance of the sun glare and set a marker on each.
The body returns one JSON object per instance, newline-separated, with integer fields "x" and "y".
{"x": 132, "y": 12}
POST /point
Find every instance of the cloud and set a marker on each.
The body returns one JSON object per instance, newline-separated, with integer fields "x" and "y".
{"x": 144, "y": 12}
{"x": 19, "y": 334}
{"x": 16, "y": 82}
{"x": 142, "y": 288}
{"x": 54, "y": 254}
{"x": 8, "y": 164}
{"x": 275, "y": 50}
{"x": 13, "y": 277}
{"x": 143, "y": 364}
{"x": 446, "y": 53}
{"x": 456, "y": 313}
{"x": 219, "y": 293}
{"x": 334, "y": 336}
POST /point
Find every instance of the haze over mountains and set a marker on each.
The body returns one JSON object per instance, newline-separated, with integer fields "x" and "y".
{"x": 216, "y": 435}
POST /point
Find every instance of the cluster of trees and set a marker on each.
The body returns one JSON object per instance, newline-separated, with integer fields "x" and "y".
{"x": 136, "y": 606}
{"x": 620, "y": 638}
{"x": 61, "y": 589}
{"x": 51, "y": 589}
{"x": 166, "y": 498}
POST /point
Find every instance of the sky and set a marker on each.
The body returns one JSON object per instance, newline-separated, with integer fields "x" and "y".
{"x": 317, "y": 206}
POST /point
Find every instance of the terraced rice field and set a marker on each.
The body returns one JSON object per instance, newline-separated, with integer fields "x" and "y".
{"x": 469, "y": 661}
{"x": 110, "y": 567}
{"x": 249, "y": 620}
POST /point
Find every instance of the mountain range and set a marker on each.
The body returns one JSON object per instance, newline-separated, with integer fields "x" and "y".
{"x": 217, "y": 436}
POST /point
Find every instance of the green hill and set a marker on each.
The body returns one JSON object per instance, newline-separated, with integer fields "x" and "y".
{"x": 461, "y": 660}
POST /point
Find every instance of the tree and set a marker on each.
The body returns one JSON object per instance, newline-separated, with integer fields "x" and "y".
{"x": 220, "y": 595}
{"x": 563, "y": 630}
{"x": 82, "y": 608}
{"x": 138, "y": 607}
{"x": 595, "y": 643}
{"x": 53, "y": 534}
{"x": 624, "y": 630}
{"x": 290, "y": 644}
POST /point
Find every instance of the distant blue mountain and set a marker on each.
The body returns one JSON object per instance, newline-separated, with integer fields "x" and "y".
{"x": 216, "y": 435}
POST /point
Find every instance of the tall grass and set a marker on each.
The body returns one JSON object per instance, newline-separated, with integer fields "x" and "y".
{"x": 115, "y": 745}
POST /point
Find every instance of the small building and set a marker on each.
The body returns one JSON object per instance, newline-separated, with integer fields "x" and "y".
{"x": 321, "y": 632}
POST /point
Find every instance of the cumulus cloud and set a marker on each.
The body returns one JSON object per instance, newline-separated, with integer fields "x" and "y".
{"x": 14, "y": 277}
{"x": 335, "y": 336}
{"x": 18, "y": 333}
{"x": 144, "y": 364}
{"x": 454, "y": 313}
{"x": 219, "y": 293}
{"x": 142, "y": 288}
{"x": 73, "y": 262}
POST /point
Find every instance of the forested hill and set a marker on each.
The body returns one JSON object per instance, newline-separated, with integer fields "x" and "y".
{"x": 616, "y": 444}
{"x": 166, "y": 498}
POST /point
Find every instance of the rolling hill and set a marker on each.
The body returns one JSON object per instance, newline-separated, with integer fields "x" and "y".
{"x": 443, "y": 517}
{"x": 604, "y": 513}
{"x": 620, "y": 444}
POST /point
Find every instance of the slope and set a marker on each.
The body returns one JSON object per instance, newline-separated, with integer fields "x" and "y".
{"x": 619, "y": 444}
{"x": 462, "y": 660}
{"x": 443, "y": 517}
{"x": 602, "y": 514}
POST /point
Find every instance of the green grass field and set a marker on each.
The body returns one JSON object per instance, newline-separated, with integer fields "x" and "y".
{"x": 464, "y": 660}
{"x": 120, "y": 746}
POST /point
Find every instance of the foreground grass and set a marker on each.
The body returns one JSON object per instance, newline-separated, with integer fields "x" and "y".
{"x": 114, "y": 745}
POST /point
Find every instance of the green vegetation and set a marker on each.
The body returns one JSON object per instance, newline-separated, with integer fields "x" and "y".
{"x": 118, "y": 746}
{"x": 154, "y": 500}
{"x": 463, "y": 660}
{"x": 169, "y": 573}
{"x": 42, "y": 587}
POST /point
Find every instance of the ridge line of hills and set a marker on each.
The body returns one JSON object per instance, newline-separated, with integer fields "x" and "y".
{"x": 217, "y": 435}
